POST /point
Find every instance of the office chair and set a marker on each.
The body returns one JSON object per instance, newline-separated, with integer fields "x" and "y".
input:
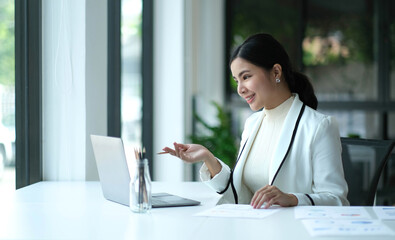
{"x": 385, "y": 195}
{"x": 364, "y": 161}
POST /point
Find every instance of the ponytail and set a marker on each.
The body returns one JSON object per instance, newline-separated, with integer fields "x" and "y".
{"x": 300, "y": 84}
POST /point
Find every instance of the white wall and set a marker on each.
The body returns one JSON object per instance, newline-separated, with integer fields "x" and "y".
{"x": 74, "y": 86}
{"x": 169, "y": 124}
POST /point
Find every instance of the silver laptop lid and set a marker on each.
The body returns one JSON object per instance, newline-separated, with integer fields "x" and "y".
{"x": 112, "y": 167}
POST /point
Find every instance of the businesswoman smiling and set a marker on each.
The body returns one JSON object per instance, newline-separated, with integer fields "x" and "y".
{"x": 290, "y": 154}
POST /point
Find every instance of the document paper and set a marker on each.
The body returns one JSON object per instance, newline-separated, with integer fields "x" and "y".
{"x": 340, "y": 221}
{"x": 385, "y": 213}
{"x": 322, "y": 212}
{"x": 335, "y": 227}
{"x": 238, "y": 211}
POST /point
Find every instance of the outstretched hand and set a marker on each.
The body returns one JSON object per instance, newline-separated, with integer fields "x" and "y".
{"x": 272, "y": 195}
{"x": 192, "y": 153}
{"x": 188, "y": 152}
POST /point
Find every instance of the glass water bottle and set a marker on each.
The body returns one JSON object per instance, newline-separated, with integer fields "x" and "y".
{"x": 140, "y": 188}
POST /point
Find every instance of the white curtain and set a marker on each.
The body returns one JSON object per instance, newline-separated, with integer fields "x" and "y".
{"x": 64, "y": 129}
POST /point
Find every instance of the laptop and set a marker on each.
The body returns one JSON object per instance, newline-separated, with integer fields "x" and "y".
{"x": 115, "y": 178}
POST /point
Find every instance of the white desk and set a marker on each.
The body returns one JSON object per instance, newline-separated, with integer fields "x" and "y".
{"x": 77, "y": 210}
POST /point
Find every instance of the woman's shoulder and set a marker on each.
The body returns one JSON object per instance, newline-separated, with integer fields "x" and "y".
{"x": 316, "y": 118}
{"x": 316, "y": 114}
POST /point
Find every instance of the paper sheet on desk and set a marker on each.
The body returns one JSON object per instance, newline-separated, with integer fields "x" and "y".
{"x": 340, "y": 221}
{"x": 335, "y": 227}
{"x": 385, "y": 213}
{"x": 324, "y": 212}
{"x": 238, "y": 211}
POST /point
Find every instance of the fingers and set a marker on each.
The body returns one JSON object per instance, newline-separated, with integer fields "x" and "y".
{"x": 178, "y": 148}
{"x": 261, "y": 196}
{"x": 270, "y": 195}
{"x": 181, "y": 146}
{"x": 272, "y": 201}
{"x": 168, "y": 150}
{"x": 257, "y": 196}
{"x": 187, "y": 152}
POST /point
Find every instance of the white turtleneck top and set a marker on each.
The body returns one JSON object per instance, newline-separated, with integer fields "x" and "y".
{"x": 256, "y": 168}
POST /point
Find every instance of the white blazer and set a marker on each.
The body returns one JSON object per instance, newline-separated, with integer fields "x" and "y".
{"x": 312, "y": 171}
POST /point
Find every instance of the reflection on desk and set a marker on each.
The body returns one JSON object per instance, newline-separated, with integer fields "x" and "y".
{"x": 78, "y": 210}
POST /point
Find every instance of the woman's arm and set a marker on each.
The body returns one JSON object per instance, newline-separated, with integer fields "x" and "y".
{"x": 329, "y": 185}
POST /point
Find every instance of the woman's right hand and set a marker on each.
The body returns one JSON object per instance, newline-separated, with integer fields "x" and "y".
{"x": 192, "y": 153}
{"x": 189, "y": 152}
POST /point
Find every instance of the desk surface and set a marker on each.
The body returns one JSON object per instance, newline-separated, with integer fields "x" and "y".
{"x": 77, "y": 210}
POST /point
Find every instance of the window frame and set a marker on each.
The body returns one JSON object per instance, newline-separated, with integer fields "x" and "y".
{"x": 28, "y": 80}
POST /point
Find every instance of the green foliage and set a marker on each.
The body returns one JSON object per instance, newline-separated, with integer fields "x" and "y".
{"x": 253, "y": 16}
{"x": 353, "y": 31}
{"x": 233, "y": 83}
{"x": 7, "y": 43}
{"x": 220, "y": 140}
{"x": 353, "y": 135}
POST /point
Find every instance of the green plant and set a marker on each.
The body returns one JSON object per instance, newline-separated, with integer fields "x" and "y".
{"x": 353, "y": 135}
{"x": 220, "y": 140}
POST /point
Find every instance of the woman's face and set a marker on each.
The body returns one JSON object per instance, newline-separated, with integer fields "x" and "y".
{"x": 254, "y": 84}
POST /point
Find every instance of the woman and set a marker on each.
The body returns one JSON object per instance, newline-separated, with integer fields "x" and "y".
{"x": 290, "y": 154}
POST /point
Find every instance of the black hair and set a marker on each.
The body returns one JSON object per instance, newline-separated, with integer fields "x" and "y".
{"x": 264, "y": 51}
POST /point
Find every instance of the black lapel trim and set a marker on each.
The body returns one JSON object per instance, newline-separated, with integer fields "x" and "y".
{"x": 311, "y": 200}
{"x": 290, "y": 144}
{"x": 230, "y": 181}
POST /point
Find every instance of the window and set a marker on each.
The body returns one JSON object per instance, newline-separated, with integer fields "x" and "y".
{"x": 130, "y": 64}
{"x": 338, "y": 51}
{"x": 344, "y": 54}
{"x": 356, "y": 123}
{"x": 7, "y": 96}
{"x": 131, "y": 76}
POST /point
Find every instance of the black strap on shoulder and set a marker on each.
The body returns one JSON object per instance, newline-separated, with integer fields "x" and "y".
{"x": 292, "y": 141}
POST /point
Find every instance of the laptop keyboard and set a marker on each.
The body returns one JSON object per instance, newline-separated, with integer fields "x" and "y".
{"x": 156, "y": 201}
